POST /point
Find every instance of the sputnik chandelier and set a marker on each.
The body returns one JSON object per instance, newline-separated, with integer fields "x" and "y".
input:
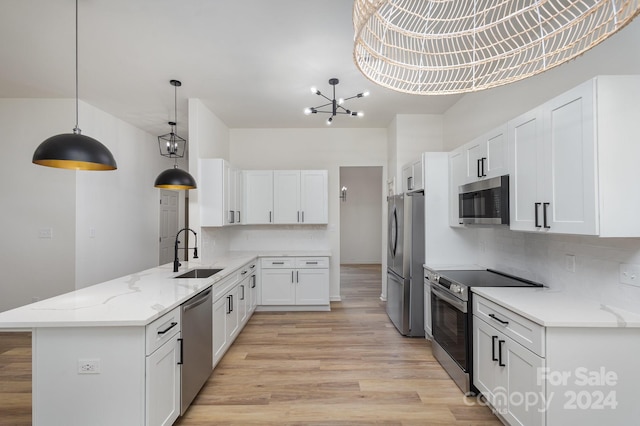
{"x": 334, "y": 106}
{"x": 439, "y": 47}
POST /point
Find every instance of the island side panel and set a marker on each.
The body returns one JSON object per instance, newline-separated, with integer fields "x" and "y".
{"x": 113, "y": 395}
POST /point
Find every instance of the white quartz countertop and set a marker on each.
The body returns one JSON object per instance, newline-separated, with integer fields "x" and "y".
{"x": 132, "y": 300}
{"x": 555, "y": 308}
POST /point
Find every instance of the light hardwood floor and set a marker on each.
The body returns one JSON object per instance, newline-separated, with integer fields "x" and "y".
{"x": 345, "y": 367}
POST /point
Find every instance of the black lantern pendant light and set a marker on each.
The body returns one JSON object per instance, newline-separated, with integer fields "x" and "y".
{"x": 173, "y": 146}
{"x": 74, "y": 150}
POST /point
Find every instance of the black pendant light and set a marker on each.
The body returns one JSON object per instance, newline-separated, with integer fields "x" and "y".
{"x": 173, "y": 146}
{"x": 74, "y": 150}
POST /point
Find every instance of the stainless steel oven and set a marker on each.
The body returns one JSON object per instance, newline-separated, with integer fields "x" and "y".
{"x": 450, "y": 326}
{"x": 452, "y": 319}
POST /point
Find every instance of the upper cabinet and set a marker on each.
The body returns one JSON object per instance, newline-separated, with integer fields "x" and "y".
{"x": 413, "y": 176}
{"x": 217, "y": 206}
{"x": 572, "y": 158}
{"x": 286, "y": 197}
{"x": 457, "y": 177}
{"x": 486, "y": 156}
{"x": 258, "y": 193}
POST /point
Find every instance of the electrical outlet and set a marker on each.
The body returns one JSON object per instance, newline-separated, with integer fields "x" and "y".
{"x": 630, "y": 274}
{"x": 570, "y": 262}
{"x": 89, "y": 366}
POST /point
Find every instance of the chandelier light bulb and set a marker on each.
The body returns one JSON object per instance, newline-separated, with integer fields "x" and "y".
{"x": 315, "y": 90}
{"x": 340, "y": 101}
{"x": 329, "y": 120}
{"x": 360, "y": 114}
{"x": 365, "y": 93}
{"x": 307, "y": 111}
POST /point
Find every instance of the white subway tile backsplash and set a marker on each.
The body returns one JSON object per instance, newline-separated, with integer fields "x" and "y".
{"x": 543, "y": 258}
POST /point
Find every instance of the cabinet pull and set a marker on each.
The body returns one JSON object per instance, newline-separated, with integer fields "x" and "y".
{"x": 253, "y": 281}
{"x": 228, "y": 305}
{"x": 238, "y": 211}
{"x": 292, "y": 277}
{"x": 242, "y": 297}
{"x": 232, "y": 216}
{"x": 277, "y": 263}
{"x": 483, "y": 172}
{"x": 500, "y": 363}
{"x": 478, "y": 167}
{"x": 181, "y": 351}
{"x": 252, "y": 266}
{"x": 297, "y": 276}
{"x": 243, "y": 272}
{"x": 498, "y": 319}
{"x": 231, "y": 296}
{"x": 312, "y": 263}
{"x": 302, "y": 216}
{"x": 298, "y": 216}
{"x": 537, "y": 224}
{"x": 173, "y": 324}
{"x": 493, "y": 348}
{"x": 410, "y": 182}
{"x": 269, "y": 216}
{"x": 544, "y": 215}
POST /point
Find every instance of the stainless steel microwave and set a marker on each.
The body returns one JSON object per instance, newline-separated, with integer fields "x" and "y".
{"x": 485, "y": 202}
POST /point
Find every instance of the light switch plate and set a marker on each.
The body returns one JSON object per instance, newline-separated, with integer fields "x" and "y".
{"x": 630, "y": 274}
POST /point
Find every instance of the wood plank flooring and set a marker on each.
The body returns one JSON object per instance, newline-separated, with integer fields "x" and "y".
{"x": 345, "y": 367}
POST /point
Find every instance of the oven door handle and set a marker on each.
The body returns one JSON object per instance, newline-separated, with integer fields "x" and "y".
{"x": 456, "y": 303}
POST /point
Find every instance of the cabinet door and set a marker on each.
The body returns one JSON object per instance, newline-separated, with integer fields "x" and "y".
{"x": 314, "y": 199}
{"x": 407, "y": 177}
{"x": 428, "y": 333}
{"x": 497, "y": 149}
{"x": 220, "y": 339}
{"x": 278, "y": 287}
{"x": 475, "y": 153}
{"x": 243, "y": 300}
{"x": 457, "y": 176}
{"x": 418, "y": 174}
{"x": 258, "y": 197}
{"x": 312, "y": 287}
{"x": 236, "y": 191}
{"x": 211, "y": 192}
{"x": 230, "y": 194}
{"x": 163, "y": 384}
{"x": 525, "y": 157}
{"x": 286, "y": 196}
{"x": 233, "y": 314}
{"x": 488, "y": 375}
{"x": 522, "y": 379}
{"x": 254, "y": 291}
{"x": 569, "y": 162}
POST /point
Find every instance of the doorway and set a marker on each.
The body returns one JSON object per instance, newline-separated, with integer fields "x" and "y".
{"x": 169, "y": 202}
{"x": 361, "y": 215}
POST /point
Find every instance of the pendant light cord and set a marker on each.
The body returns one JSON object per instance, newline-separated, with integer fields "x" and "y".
{"x": 76, "y": 130}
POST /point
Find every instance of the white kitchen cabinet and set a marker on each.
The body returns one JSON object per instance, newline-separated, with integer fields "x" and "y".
{"x": 428, "y": 331}
{"x": 572, "y": 157}
{"x": 258, "y": 195}
{"x": 163, "y": 383}
{"x": 220, "y": 338}
{"x": 413, "y": 176}
{"x": 457, "y": 177}
{"x": 486, "y": 156}
{"x": 254, "y": 286}
{"x": 286, "y": 197}
{"x": 287, "y": 281}
{"x": 220, "y": 192}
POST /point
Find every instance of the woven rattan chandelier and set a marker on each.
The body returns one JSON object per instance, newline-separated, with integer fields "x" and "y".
{"x": 439, "y": 47}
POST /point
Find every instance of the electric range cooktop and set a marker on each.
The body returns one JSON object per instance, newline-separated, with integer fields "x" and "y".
{"x": 485, "y": 278}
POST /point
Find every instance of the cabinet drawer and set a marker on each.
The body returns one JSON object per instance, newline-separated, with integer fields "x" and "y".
{"x": 222, "y": 287}
{"x": 312, "y": 262}
{"x": 522, "y": 330}
{"x": 162, "y": 329}
{"x": 277, "y": 262}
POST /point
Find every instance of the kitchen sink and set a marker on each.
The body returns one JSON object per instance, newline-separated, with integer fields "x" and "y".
{"x": 199, "y": 273}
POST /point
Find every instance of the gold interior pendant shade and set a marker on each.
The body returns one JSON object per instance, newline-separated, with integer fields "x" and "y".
{"x": 456, "y": 46}
{"x": 74, "y": 150}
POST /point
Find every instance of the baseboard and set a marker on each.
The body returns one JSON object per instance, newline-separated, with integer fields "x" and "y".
{"x": 293, "y": 308}
{"x": 335, "y": 299}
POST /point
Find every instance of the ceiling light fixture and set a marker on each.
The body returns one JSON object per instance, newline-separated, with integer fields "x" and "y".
{"x": 447, "y": 47}
{"x": 173, "y": 146}
{"x": 335, "y": 106}
{"x": 74, "y": 150}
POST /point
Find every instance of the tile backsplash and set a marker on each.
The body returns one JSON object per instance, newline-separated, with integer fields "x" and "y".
{"x": 550, "y": 259}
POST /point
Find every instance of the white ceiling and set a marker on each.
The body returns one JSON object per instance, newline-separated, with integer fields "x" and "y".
{"x": 251, "y": 62}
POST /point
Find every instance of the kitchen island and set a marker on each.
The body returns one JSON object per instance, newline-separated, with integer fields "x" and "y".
{"x": 548, "y": 357}
{"x": 110, "y": 353}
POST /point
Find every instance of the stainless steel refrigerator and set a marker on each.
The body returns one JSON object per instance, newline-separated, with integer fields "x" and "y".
{"x": 405, "y": 259}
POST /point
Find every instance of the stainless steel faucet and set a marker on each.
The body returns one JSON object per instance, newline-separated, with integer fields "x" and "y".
{"x": 176, "y": 260}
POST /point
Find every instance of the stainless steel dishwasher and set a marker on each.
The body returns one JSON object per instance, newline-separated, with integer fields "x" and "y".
{"x": 197, "y": 346}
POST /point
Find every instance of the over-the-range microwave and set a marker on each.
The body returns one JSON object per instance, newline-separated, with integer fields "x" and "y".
{"x": 485, "y": 202}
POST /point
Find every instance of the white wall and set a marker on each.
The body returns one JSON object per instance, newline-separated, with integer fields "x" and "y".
{"x": 361, "y": 215}
{"x": 306, "y": 149}
{"x": 121, "y": 205}
{"x": 542, "y": 257}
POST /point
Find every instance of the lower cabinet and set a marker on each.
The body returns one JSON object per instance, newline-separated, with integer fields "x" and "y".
{"x": 301, "y": 281}
{"x": 428, "y": 332}
{"x": 163, "y": 383}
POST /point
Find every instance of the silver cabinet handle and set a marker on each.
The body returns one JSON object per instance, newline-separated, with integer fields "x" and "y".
{"x": 297, "y": 276}
{"x": 238, "y": 221}
{"x": 298, "y": 215}
{"x": 312, "y": 263}
{"x": 303, "y": 216}
{"x": 269, "y": 216}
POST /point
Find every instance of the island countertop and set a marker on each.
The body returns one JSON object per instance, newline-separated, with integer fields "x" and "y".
{"x": 133, "y": 300}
